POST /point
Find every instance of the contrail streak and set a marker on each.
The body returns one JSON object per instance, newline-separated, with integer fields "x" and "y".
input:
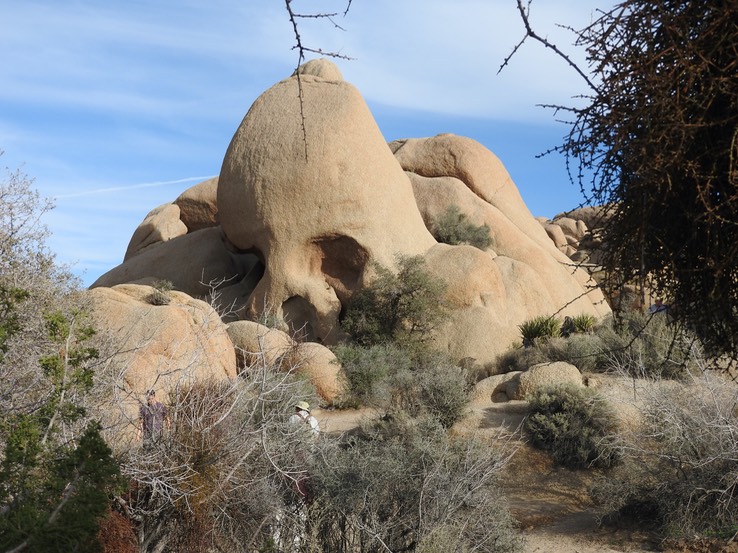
{"x": 130, "y": 187}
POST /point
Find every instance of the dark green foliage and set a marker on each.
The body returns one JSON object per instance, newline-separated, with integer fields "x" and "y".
{"x": 55, "y": 474}
{"x": 453, "y": 227}
{"x": 53, "y": 498}
{"x": 402, "y": 308}
{"x": 10, "y": 324}
{"x": 584, "y": 323}
{"x": 575, "y": 425}
{"x": 539, "y": 330}
{"x": 404, "y": 480}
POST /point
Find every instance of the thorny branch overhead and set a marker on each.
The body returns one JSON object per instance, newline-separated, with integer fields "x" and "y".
{"x": 302, "y": 49}
{"x": 657, "y": 146}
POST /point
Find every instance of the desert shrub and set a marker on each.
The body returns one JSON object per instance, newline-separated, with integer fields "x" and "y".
{"x": 402, "y": 307}
{"x": 395, "y": 380}
{"x": 405, "y": 481}
{"x": 453, "y": 227}
{"x": 519, "y": 359}
{"x": 680, "y": 467}
{"x": 574, "y": 424}
{"x": 649, "y": 346}
{"x": 440, "y": 390}
{"x": 539, "y": 329}
{"x": 368, "y": 370}
{"x": 160, "y": 293}
{"x": 634, "y": 344}
{"x": 226, "y": 437}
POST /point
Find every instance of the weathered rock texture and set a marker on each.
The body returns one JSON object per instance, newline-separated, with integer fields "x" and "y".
{"x": 304, "y": 207}
{"x": 257, "y": 344}
{"x": 317, "y": 206}
{"x": 519, "y": 385}
{"x": 159, "y": 343}
{"x": 520, "y": 276}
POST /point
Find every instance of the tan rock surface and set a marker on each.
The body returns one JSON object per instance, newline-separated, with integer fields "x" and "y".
{"x": 158, "y": 346}
{"x": 320, "y": 366}
{"x": 522, "y": 274}
{"x": 518, "y": 385}
{"x": 544, "y": 375}
{"x": 161, "y": 224}
{"x": 259, "y": 344}
{"x": 317, "y": 200}
{"x": 256, "y": 343}
{"x": 189, "y": 262}
{"x": 319, "y": 206}
{"x": 198, "y": 205}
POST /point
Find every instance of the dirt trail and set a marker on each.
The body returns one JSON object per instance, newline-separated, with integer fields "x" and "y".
{"x": 551, "y": 504}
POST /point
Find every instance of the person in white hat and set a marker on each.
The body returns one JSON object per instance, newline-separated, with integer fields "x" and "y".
{"x": 302, "y": 415}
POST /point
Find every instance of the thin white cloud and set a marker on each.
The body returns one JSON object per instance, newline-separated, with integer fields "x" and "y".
{"x": 125, "y": 188}
{"x": 109, "y": 92}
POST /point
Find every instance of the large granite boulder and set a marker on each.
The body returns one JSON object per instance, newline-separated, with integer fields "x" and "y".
{"x": 160, "y": 225}
{"x": 520, "y": 276}
{"x": 258, "y": 345}
{"x": 193, "y": 262}
{"x": 310, "y": 197}
{"x": 519, "y": 385}
{"x": 316, "y": 193}
{"x": 158, "y": 342}
{"x": 198, "y": 205}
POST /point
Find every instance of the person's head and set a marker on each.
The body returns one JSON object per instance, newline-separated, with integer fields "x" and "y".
{"x": 302, "y": 406}
{"x": 151, "y": 396}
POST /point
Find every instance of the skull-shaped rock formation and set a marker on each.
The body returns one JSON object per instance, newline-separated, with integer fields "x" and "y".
{"x": 317, "y": 194}
{"x": 310, "y": 196}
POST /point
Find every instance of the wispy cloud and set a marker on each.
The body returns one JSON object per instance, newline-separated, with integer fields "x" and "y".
{"x": 101, "y": 93}
{"x": 125, "y": 188}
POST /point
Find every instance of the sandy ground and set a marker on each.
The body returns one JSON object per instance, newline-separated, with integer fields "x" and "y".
{"x": 551, "y": 504}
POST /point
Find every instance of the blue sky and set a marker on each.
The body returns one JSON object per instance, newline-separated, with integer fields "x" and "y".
{"x": 116, "y": 107}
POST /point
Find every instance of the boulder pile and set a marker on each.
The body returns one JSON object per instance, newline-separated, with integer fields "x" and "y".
{"x": 309, "y": 199}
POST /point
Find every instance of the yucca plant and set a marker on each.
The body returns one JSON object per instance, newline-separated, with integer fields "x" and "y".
{"x": 584, "y": 323}
{"x": 539, "y": 329}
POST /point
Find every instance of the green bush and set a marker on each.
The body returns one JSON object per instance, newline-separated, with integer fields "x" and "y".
{"x": 539, "y": 329}
{"x": 453, "y": 227}
{"x": 574, "y": 424}
{"x": 584, "y": 323}
{"x": 440, "y": 391}
{"x": 367, "y": 371}
{"x": 634, "y": 344}
{"x": 397, "y": 380}
{"x": 585, "y": 351}
{"x": 402, "y": 308}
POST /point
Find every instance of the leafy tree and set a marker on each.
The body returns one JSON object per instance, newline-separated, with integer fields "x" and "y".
{"x": 402, "y": 307}
{"x": 55, "y": 468}
{"x": 657, "y": 143}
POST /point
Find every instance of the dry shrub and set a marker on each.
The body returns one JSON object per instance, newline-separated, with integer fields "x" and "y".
{"x": 680, "y": 467}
